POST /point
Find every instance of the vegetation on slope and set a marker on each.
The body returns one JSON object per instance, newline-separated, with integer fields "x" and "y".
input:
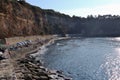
{"x": 18, "y": 18}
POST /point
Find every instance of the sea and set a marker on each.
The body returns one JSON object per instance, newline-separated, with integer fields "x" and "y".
{"x": 85, "y": 58}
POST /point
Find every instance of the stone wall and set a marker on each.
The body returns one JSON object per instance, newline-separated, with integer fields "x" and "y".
{"x": 14, "y": 40}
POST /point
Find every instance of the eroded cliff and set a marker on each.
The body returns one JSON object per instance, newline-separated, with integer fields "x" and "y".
{"x": 18, "y": 18}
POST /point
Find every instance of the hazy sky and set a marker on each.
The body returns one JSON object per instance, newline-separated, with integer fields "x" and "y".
{"x": 80, "y": 7}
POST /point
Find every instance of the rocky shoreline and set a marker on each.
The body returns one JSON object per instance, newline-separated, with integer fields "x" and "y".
{"x": 22, "y": 66}
{"x": 34, "y": 70}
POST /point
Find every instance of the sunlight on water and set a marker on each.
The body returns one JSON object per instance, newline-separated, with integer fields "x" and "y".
{"x": 87, "y": 59}
{"x": 117, "y": 38}
{"x": 117, "y": 51}
{"x": 110, "y": 70}
{"x": 114, "y": 39}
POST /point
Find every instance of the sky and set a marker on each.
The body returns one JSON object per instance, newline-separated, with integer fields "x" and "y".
{"x": 80, "y": 7}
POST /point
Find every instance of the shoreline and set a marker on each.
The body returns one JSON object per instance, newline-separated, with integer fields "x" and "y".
{"x": 25, "y": 67}
{"x": 52, "y": 74}
{"x": 49, "y": 43}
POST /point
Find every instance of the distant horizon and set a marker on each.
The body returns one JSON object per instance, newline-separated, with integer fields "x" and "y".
{"x": 80, "y": 8}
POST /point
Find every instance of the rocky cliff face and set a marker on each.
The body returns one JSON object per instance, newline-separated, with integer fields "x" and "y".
{"x": 18, "y": 18}
{"x": 21, "y": 19}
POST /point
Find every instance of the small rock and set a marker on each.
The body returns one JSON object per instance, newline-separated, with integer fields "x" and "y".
{"x": 36, "y": 77}
{"x": 26, "y": 77}
{"x": 32, "y": 64}
{"x": 44, "y": 77}
{"x": 42, "y": 73}
{"x": 52, "y": 76}
{"x": 53, "y": 71}
{"x": 43, "y": 68}
{"x": 60, "y": 72}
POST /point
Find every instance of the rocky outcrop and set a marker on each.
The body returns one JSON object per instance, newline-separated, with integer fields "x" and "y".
{"x": 18, "y": 18}
{"x": 34, "y": 70}
{"x": 21, "y": 64}
{"x": 21, "y": 19}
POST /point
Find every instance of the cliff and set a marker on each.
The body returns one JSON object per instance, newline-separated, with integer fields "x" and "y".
{"x": 18, "y": 18}
{"x": 22, "y": 19}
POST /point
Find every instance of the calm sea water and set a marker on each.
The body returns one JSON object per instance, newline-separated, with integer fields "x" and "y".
{"x": 86, "y": 58}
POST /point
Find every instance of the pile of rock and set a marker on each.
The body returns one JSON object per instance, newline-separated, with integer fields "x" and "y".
{"x": 18, "y": 45}
{"x": 33, "y": 70}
